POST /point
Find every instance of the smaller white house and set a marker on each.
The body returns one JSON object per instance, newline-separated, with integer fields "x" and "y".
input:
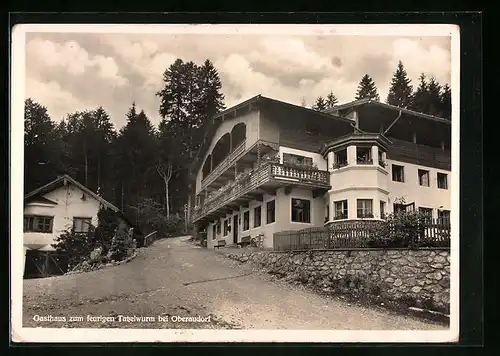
{"x": 58, "y": 206}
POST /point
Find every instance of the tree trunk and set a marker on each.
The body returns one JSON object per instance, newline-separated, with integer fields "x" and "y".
{"x": 99, "y": 173}
{"x": 167, "y": 202}
{"x": 123, "y": 191}
{"x": 86, "y": 162}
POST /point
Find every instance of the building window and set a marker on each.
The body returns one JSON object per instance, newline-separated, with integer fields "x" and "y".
{"x": 301, "y": 210}
{"x": 246, "y": 220}
{"x": 340, "y": 210}
{"x": 382, "y": 209}
{"x": 214, "y": 231}
{"x": 226, "y": 227}
{"x": 257, "y": 216}
{"x": 444, "y": 217}
{"x": 365, "y": 208}
{"x": 270, "y": 212}
{"x": 297, "y": 160}
{"x": 398, "y": 173}
{"x": 398, "y": 208}
{"x": 427, "y": 212}
{"x": 423, "y": 177}
{"x": 81, "y": 224}
{"x": 38, "y": 224}
{"x": 340, "y": 158}
{"x": 364, "y": 155}
{"x": 381, "y": 161}
{"x": 327, "y": 212}
{"x": 218, "y": 227}
{"x": 442, "y": 179}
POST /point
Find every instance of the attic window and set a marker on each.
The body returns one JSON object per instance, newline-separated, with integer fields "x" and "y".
{"x": 84, "y": 197}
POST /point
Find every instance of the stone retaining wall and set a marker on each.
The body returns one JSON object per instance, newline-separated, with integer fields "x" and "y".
{"x": 418, "y": 278}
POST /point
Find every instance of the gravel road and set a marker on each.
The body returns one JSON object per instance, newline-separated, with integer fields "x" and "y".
{"x": 172, "y": 281}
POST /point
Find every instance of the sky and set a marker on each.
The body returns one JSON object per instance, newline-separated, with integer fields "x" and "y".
{"x": 67, "y": 72}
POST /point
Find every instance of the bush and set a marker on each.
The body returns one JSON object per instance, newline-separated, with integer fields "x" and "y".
{"x": 122, "y": 244}
{"x": 152, "y": 217}
{"x": 402, "y": 229}
{"x": 107, "y": 224}
{"x": 77, "y": 246}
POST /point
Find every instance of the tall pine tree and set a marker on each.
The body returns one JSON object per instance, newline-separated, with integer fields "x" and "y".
{"x": 42, "y": 161}
{"x": 400, "y": 91}
{"x": 367, "y": 89}
{"x": 331, "y": 100}
{"x": 433, "y": 97}
{"x": 320, "y": 104}
{"x": 420, "y": 97}
{"x": 445, "y": 109}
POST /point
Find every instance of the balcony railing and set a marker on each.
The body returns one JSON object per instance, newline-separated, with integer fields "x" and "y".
{"x": 224, "y": 165}
{"x": 268, "y": 172}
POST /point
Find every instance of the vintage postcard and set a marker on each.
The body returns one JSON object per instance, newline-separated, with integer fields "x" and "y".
{"x": 235, "y": 183}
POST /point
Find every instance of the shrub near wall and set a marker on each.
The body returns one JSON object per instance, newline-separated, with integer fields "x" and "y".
{"x": 410, "y": 278}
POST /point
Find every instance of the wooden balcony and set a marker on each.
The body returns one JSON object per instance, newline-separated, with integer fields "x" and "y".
{"x": 233, "y": 156}
{"x": 266, "y": 178}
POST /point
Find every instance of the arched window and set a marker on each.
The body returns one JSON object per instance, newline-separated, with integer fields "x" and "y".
{"x": 238, "y": 134}
{"x": 221, "y": 150}
{"x": 206, "y": 166}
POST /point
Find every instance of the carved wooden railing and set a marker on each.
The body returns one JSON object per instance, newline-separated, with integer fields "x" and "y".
{"x": 258, "y": 177}
{"x": 224, "y": 165}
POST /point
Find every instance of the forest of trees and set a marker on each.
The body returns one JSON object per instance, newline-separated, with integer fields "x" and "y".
{"x": 137, "y": 162}
{"x": 140, "y": 162}
{"x": 428, "y": 97}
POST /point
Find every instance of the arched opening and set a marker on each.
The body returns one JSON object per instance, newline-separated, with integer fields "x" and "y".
{"x": 207, "y": 166}
{"x": 221, "y": 150}
{"x": 238, "y": 134}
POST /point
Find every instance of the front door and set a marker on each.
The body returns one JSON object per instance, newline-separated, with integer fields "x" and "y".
{"x": 235, "y": 229}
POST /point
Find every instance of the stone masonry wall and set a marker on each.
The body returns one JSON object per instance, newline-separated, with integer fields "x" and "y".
{"x": 419, "y": 278}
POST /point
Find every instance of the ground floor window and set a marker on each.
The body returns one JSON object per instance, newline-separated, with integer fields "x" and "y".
{"x": 270, "y": 212}
{"x": 38, "y": 224}
{"x": 382, "y": 209}
{"x": 81, "y": 225}
{"x": 444, "y": 216}
{"x": 301, "y": 210}
{"x": 257, "y": 216}
{"x": 214, "y": 231}
{"x": 340, "y": 209}
{"x": 226, "y": 227}
{"x": 365, "y": 208}
{"x": 246, "y": 220}
{"x": 218, "y": 227}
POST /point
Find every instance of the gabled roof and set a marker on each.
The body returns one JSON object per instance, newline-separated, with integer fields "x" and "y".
{"x": 41, "y": 199}
{"x": 360, "y": 102}
{"x": 258, "y": 99}
{"x": 62, "y": 180}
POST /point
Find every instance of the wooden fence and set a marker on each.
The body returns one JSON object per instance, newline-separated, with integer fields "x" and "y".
{"x": 150, "y": 238}
{"x": 363, "y": 234}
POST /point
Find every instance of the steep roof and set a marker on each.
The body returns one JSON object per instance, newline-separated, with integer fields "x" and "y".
{"x": 63, "y": 180}
{"x": 367, "y": 101}
{"x": 37, "y": 195}
{"x": 256, "y": 100}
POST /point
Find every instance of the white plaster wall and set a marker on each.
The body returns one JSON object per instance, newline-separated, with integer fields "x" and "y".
{"x": 372, "y": 182}
{"x": 411, "y": 191}
{"x": 69, "y": 205}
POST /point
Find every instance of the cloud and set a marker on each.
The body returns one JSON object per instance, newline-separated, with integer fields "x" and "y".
{"x": 54, "y": 97}
{"x": 72, "y": 58}
{"x": 113, "y": 70}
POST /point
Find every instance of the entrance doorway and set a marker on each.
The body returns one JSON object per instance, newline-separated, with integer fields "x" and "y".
{"x": 235, "y": 229}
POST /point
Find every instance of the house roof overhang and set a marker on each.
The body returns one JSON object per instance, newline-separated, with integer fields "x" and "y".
{"x": 37, "y": 195}
{"x": 375, "y": 116}
{"x": 356, "y": 139}
{"x": 259, "y": 102}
